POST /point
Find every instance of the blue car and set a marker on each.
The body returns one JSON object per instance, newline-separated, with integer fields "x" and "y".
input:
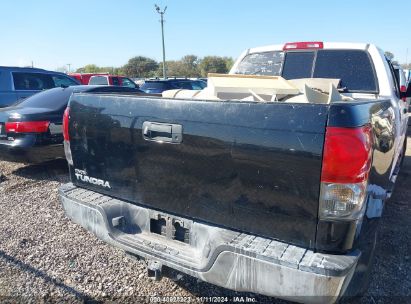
{"x": 19, "y": 83}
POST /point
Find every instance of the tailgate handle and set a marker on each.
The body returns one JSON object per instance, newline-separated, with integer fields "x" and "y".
{"x": 162, "y": 132}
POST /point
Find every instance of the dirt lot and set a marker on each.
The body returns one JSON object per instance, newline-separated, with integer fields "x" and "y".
{"x": 46, "y": 258}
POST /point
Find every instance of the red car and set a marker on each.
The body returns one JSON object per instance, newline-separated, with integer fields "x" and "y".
{"x": 84, "y": 77}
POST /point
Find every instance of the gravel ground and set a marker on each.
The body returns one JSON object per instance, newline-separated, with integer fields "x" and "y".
{"x": 44, "y": 257}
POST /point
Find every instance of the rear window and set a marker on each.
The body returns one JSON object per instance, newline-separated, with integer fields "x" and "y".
{"x": 32, "y": 81}
{"x": 160, "y": 86}
{"x": 353, "y": 67}
{"x": 181, "y": 85}
{"x": 298, "y": 65}
{"x": 98, "y": 80}
{"x": 198, "y": 85}
{"x": 63, "y": 81}
{"x": 51, "y": 99}
{"x": 265, "y": 63}
{"x": 125, "y": 82}
{"x": 154, "y": 87}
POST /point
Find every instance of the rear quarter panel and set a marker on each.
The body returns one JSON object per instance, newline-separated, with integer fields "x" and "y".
{"x": 342, "y": 236}
{"x": 383, "y": 118}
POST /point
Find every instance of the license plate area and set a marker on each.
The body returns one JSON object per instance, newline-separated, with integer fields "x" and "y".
{"x": 174, "y": 229}
{"x": 171, "y": 228}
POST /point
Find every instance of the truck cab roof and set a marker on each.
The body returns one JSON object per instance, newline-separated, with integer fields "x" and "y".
{"x": 326, "y": 45}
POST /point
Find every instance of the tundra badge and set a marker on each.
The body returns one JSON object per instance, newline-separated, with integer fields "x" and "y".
{"x": 82, "y": 175}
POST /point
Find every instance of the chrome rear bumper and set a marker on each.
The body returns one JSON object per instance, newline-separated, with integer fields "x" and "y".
{"x": 216, "y": 255}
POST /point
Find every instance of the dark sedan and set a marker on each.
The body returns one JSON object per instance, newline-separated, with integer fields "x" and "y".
{"x": 31, "y": 131}
{"x": 157, "y": 86}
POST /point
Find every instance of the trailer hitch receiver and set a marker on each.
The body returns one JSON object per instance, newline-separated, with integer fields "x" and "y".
{"x": 154, "y": 270}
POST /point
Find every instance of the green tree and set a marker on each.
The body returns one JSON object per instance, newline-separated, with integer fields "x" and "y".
{"x": 118, "y": 71}
{"x": 185, "y": 67}
{"x": 140, "y": 67}
{"x": 173, "y": 68}
{"x": 189, "y": 64}
{"x": 92, "y": 68}
{"x": 112, "y": 70}
{"x": 229, "y": 62}
{"x": 89, "y": 68}
{"x": 213, "y": 64}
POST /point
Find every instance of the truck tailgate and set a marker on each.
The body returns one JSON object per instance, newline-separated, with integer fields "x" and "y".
{"x": 247, "y": 166}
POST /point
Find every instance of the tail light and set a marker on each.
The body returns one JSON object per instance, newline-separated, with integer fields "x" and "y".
{"x": 66, "y": 135}
{"x": 66, "y": 120}
{"x": 403, "y": 90}
{"x": 345, "y": 169}
{"x": 303, "y": 45}
{"x": 27, "y": 127}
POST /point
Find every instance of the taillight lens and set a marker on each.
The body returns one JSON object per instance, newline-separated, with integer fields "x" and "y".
{"x": 347, "y": 155}
{"x": 346, "y": 166}
{"x": 27, "y": 127}
{"x": 66, "y": 135}
{"x": 66, "y": 118}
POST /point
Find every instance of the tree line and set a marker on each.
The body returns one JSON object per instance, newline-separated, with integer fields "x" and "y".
{"x": 187, "y": 66}
{"x": 144, "y": 67}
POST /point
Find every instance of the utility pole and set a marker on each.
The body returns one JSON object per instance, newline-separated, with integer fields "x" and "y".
{"x": 69, "y": 65}
{"x": 162, "y": 36}
{"x": 32, "y": 64}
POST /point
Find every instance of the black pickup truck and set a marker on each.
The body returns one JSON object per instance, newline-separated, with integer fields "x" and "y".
{"x": 279, "y": 197}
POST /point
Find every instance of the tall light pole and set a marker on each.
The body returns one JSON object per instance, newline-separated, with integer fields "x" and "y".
{"x": 162, "y": 12}
{"x": 69, "y": 65}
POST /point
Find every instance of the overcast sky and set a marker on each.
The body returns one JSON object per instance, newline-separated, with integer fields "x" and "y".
{"x": 107, "y": 33}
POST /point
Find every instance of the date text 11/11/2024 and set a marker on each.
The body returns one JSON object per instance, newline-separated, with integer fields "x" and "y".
{"x": 179, "y": 299}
